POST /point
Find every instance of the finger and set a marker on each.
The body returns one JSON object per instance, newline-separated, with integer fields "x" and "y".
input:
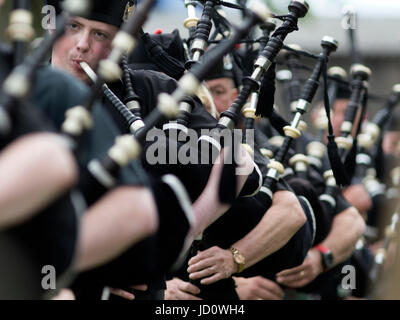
{"x": 290, "y": 278}
{"x": 122, "y": 293}
{"x": 216, "y": 277}
{"x": 201, "y": 274}
{"x": 142, "y": 287}
{"x": 292, "y": 271}
{"x": 200, "y": 256}
{"x": 298, "y": 282}
{"x": 201, "y": 265}
{"x": 189, "y": 288}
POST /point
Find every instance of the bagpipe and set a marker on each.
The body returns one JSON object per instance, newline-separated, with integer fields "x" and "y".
{"x": 251, "y": 84}
{"x": 366, "y": 161}
{"x": 255, "y": 85}
{"x": 316, "y": 149}
{"x": 103, "y": 173}
{"x": 317, "y": 154}
{"x": 250, "y": 109}
{"x": 20, "y": 30}
{"x": 292, "y": 132}
{"x": 358, "y": 166}
{"x": 127, "y": 147}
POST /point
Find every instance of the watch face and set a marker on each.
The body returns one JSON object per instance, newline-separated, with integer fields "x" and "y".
{"x": 239, "y": 259}
{"x": 328, "y": 260}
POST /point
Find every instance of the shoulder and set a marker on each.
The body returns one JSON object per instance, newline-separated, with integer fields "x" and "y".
{"x": 154, "y": 78}
{"x": 151, "y": 74}
{"x": 48, "y": 77}
{"x": 54, "y": 92}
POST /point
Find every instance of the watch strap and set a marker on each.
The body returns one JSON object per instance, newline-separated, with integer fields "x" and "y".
{"x": 322, "y": 249}
{"x": 325, "y": 252}
{"x": 236, "y": 252}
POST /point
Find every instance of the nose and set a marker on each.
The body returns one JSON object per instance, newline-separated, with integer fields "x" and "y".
{"x": 83, "y": 44}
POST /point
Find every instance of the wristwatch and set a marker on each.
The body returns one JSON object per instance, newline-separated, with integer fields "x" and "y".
{"x": 326, "y": 255}
{"x": 239, "y": 259}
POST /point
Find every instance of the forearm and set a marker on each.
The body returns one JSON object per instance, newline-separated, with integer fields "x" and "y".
{"x": 278, "y": 225}
{"x": 113, "y": 224}
{"x": 346, "y": 230}
{"x": 34, "y": 171}
{"x": 358, "y": 197}
{"x": 208, "y": 208}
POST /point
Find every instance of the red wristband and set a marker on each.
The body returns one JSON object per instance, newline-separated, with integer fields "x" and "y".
{"x": 321, "y": 248}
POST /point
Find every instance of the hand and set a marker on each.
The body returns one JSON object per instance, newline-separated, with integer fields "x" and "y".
{"x": 178, "y": 289}
{"x": 127, "y": 295}
{"x": 258, "y": 288}
{"x": 304, "y": 274}
{"x": 212, "y": 265}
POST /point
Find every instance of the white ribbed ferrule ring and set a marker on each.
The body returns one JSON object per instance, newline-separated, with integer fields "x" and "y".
{"x": 125, "y": 149}
{"x": 168, "y": 106}
{"x": 124, "y": 42}
{"x": 109, "y": 70}
{"x": 20, "y": 28}
{"x": 77, "y": 119}
{"x": 260, "y": 9}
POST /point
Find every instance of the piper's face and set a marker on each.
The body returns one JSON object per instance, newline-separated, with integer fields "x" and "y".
{"x": 223, "y": 92}
{"x": 338, "y": 115}
{"x": 84, "y": 40}
{"x": 391, "y": 143}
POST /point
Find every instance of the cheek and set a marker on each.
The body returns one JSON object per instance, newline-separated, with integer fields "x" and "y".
{"x": 100, "y": 52}
{"x": 338, "y": 119}
{"x": 390, "y": 143}
{"x": 61, "y": 50}
{"x": 223, "y": 102}
{"x": 220, "y": 103}
{"x": 387, "y": 146}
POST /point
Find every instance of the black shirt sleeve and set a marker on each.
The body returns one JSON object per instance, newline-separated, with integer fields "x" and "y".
{"x": 54, "y": 93}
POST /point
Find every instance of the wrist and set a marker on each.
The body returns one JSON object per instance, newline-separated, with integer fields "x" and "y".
{"x": 326, "y": 255}
{"x": 239, "y": 260}
{"x": 318, "y": 261}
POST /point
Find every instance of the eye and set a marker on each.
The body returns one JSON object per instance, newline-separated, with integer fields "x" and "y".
{"x": 100, "y": 36}
{"x": 218, "y": 92}
{"x": 73, "y": 26}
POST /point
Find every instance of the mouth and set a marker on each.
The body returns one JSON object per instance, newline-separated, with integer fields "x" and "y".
{"x": 89, "y": 71}
{"x": 77, "y": 64}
